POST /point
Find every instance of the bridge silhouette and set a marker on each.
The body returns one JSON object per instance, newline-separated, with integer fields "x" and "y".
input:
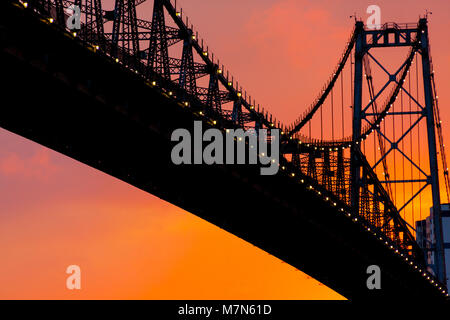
{"x": 111, "y": 92}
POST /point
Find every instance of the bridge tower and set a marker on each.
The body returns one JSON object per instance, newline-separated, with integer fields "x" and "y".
{"x": 389, "y": 36}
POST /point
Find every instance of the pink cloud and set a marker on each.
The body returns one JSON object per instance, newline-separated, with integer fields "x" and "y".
{"x": 38, "y": 165}
{"x": 297, "y": 31}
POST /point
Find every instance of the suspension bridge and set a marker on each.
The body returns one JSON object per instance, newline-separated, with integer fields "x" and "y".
{"x": 358, "y": 168}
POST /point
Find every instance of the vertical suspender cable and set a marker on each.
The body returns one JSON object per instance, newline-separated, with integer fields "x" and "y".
{"x": 332, "y": 116}
{"x": 394, "y": 156}
{"x": 411, "y": 154}
{"x": 342, "y": 103}
{"x": 418, "y": 136}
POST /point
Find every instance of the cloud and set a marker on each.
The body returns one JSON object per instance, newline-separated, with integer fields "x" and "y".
{"x": 298, "y": 32}
{"x": 38, "y": 165}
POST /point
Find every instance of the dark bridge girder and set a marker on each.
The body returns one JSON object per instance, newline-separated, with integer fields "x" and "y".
{"x": 64, "y": 96}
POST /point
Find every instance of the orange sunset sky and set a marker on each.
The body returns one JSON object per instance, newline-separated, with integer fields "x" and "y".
{"x": 55, "y": 212}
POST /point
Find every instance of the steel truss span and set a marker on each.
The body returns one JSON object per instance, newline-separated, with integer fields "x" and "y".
{"x": 167, "y": 55}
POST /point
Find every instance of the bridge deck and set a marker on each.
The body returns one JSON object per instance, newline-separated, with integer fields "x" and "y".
{"x": 66, "y": 97}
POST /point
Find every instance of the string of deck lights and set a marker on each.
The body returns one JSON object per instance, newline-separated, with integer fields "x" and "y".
{"x": 389, "y": 243}
{"x": 250, "y": 106}
{"x": 366, "y": 226}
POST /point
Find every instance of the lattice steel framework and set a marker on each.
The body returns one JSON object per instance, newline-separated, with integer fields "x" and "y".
{"x": 396, "y": 36}
{"x": 348, "y": 183}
